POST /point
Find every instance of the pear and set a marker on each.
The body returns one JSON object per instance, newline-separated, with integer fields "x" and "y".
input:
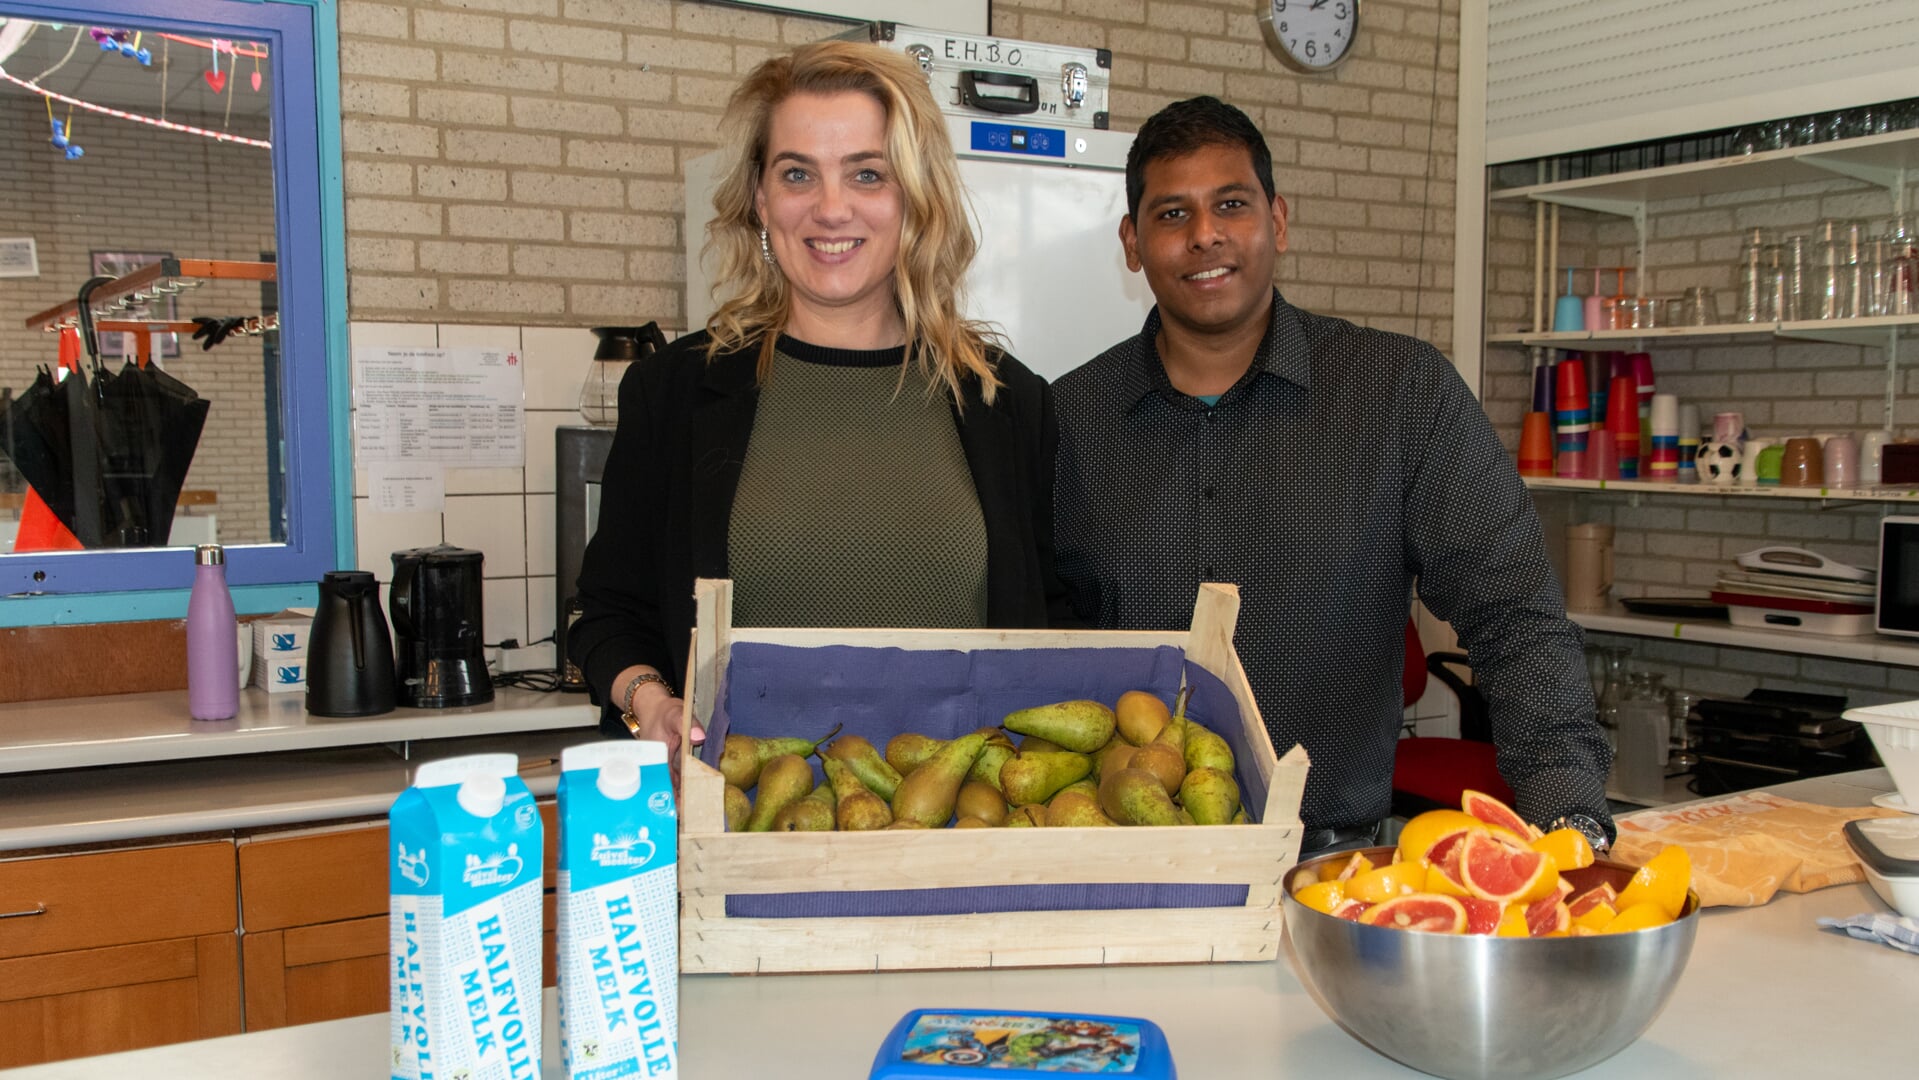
{"x": 1070, "y": 809}
{"x": 898, "y": 824}
{"x": 1041, "y": 746}
{"x": 1113, "y": 745}
{"x": 1033, "y": 778}
{"x": 1174, "y": 733}
{"x": 1206, "y": 749}
{"x": 1135, "y": 797}
{"x": 1079, "y": 726}
{"x": 1167, "y": 764}
{"x": 1088, "y": 787}
{"x": 908, "y": 751}
{"x": 1113, "y": 758}
{"x": 1184, "y": 817}
{"x": 811, "y": 814}
{"x": 927, "y": 793}
{"x": 867, "y": 764}
{"x": 1021, "y": 818}
{"x": 980, "y": 800}
{"x": 1211, "y": 796}
{"x": 1241, "y": 818}
{"x": 738, "y": 809}
{"x": 1140, "y": 715}
{"x": 856, "y": 808}
{"x": 743, "y": 756}
{"x": 987, "y": 768}
{"x": 785, "y": 779}
{"x": 969, "y": 822}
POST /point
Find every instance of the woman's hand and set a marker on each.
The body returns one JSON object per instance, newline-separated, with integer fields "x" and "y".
{"x": 657, "y": 716}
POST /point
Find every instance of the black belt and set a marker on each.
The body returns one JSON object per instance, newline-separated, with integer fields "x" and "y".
{"x": 1319, "y": 841}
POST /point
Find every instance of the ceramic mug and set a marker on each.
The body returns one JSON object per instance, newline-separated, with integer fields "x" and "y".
{"x": 1728, "y": 426}
{"x": 1802, "y": 464}
{"x": 1762, "y": 462}
{"x": 1872, "y": 453}
{"x": 1842, "y": 461}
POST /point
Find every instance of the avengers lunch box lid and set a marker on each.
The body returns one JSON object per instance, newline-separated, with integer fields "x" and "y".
{"x": 997, "y": 1044}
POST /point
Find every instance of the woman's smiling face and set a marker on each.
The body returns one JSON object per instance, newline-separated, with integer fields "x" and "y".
{"x": 832, "y": 207}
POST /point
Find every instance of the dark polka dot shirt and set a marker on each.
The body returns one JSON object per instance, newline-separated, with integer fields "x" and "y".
{"x": 1345, "y": 465}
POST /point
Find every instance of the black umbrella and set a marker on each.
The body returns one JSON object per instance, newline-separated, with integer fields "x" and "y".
{"x": 109, "y": 453}
{"x": 37, "y": 423}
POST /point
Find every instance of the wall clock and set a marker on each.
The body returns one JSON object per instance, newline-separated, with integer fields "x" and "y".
{"x": 1312, "y": 36}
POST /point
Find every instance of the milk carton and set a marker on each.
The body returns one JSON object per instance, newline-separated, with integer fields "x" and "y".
{"x": 464, "y": 860}
{"x": 619, "y": 912}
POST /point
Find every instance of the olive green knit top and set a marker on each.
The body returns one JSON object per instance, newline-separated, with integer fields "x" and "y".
{"x": 855, "y": 505}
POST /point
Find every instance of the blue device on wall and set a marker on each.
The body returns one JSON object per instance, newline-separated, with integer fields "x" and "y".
{"x": 986, "y": 1044}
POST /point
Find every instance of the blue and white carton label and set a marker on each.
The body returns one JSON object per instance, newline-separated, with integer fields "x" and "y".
{"x": 464, "y": 864}
{"x": 619, "y": 925}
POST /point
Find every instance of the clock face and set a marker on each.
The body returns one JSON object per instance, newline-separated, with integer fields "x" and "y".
{"x": 1311, "y": 35}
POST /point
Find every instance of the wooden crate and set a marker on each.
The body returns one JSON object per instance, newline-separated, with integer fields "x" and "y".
{"x": 715, "y": 863}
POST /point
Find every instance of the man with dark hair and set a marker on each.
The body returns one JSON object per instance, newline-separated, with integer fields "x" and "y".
{"x": 1325, "y": 469}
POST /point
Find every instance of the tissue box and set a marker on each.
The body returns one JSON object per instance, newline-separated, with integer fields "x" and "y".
{"x": 280, "y": 652}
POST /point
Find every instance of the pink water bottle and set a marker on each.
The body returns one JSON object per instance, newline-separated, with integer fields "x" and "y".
{"x": 213, "y": 639}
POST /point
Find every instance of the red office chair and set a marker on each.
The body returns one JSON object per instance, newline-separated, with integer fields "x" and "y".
{"x": 1430, "y": 773}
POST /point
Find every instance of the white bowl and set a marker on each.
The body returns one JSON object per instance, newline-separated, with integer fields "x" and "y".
{"x": 1895, "y": 734}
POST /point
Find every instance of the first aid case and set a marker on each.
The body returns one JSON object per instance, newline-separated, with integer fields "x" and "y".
{"x": 972, "y": 74}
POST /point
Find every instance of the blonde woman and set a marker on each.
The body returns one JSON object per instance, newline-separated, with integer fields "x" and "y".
{"x": 839, "y": 440}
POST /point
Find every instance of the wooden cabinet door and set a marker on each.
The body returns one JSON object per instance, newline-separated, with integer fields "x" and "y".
{"x": 62, "y": 1005}
{"x": 313, "y": 908}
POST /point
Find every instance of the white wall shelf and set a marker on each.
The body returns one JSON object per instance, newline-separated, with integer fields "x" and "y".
{"x": 1867, "y": 648}
{"x": 1881, "y": 494}
{"x": 1874, "y": 332}
{"x": 1876, "y": 160}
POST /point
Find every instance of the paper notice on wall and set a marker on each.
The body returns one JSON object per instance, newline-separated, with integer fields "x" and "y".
{"x": 463, "y": 407}
{"x": 412, "y": 486}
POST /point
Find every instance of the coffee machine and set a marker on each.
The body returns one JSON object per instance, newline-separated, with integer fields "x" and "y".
{"x": 438, "y": 628}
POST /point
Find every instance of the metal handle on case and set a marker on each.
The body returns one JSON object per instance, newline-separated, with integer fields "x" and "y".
{"x": 1027, "y": 85}
{"x": 38, "y": 909}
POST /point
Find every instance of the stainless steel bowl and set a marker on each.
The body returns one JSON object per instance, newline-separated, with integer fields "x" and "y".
{"x": 1471, "y": 1006}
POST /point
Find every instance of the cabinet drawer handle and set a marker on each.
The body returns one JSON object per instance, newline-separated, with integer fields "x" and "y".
{"x": 38, "y": 909}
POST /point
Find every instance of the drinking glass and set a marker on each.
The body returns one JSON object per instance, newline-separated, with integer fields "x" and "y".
{"x": 1701, "y": 307}
{"x": 1753, "y": 284}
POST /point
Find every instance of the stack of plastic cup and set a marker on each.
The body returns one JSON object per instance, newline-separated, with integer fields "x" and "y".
{"x": 1605, "y": 454}
{"x": 1622, "y": 425}
{"x": 1639, "y": 365}
{"x": 1543, "y": 389}
{"x": 1598, "y": 376}
{"x": 1665, "y": 438}
{"x": 1536, "y": 445}
{"x": 1688, "y": 444}
{"x": 1572, "y": 420}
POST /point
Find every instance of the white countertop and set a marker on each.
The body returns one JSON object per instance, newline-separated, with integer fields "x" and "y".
{"x": 128, "y": 802}
{"x": 132, "y": 728}
{"x": 1765, "y": 994}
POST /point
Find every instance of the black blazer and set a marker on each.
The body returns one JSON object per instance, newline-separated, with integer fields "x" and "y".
{"x": 667, "y": 497}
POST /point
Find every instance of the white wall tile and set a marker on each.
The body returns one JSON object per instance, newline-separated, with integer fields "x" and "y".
{"x": 503, "y": 603}
{"x": 494, "y": 524}
{"x": 395, "y": 335}
{"x": 378, "y": 535}
{"x": 539, "y": 447}
{"x": 540, "y": 538}
{"x": 460, "y": 336}
{"x": 557, "y": 358}
{"x": 540, "y": 613}
{"x": 496, "y": 481}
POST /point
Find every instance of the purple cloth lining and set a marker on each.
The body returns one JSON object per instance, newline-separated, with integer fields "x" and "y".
{"x": 983, "y": 898}
{"x": 776, "y": 690}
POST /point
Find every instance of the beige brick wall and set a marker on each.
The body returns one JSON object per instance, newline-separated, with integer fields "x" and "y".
{"x": 142, "y": 189}
{"x": 520, "y": 160}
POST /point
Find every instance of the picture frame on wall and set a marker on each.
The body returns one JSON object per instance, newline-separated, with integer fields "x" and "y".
{"x": 120, "y": 263}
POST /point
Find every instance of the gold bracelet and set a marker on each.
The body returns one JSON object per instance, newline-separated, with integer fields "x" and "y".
{"x": 626, "y": 706}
